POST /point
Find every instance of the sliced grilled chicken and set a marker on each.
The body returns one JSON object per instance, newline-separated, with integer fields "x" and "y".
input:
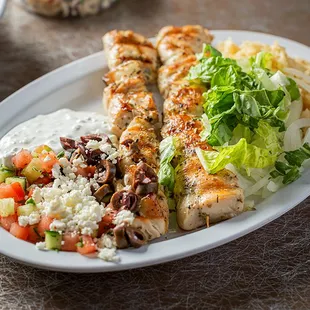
{"x": 204, "y": 198}
{"x": 174, "y": 44}
{"x": 173, "y": 76}
{"x": 121, "y": 46}
{"x": 139, "y": 143}
{"x": 131, "y": 69}
{"x": 133, "y": 62}
{"x": 187, "y": 129}
{"x": 186, "y": 100}
{"x": 201, "y": 198}
{"x": 153, "y": 221}
{"x": 139, "y": 152}
{"x": 122, "y": 108}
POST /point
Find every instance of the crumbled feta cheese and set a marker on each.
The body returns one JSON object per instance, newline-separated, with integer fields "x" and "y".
{"x": 23, "y": 220}
{"x": 34, "y": 218}
{"x": 57, "y": 225}
{"x": 109, "y": 255}
{"x": 124, "y": 216}
{"x": 78, "y": 162}
{"x": 70, "y": 199}
{"x": 64, "y": 162}
{"x": 93, "y": 144}
{"x": 41, "y": 246}
{"x": 36, "y": 195}
{"x": 107, "y": 241}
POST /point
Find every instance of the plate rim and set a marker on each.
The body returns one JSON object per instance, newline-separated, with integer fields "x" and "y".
{"x": 85, "y": 263}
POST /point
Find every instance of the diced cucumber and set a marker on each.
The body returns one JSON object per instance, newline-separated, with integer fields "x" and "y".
{"x": 40, "y": 149}
{"x": 25, "y": 210}
{"x": 31, "y": 201}
{"x": 33, "y": 171}
{"x": 21, "y": 180}
{"x": 5, "y": 172}
{"x": 53, "y": 240}
{"x": 7, "y": 207}
{"x": 61, "y": 154}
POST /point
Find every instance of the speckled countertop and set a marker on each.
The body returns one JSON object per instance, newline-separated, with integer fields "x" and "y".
{"x": 267, "y": 269}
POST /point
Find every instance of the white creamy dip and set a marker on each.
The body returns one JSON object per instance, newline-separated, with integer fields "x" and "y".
{"x": 46, "y": 129}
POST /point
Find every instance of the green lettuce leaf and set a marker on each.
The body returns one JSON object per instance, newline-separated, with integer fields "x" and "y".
{"x": 267, "y": 137}
{"x": 207, "y": 67}
{"x": 293, "y": 90}
{"x": 262, "y": 60}
{"x": 208, "y": 51}
{"x": 226, "y": 76}
{"x": 297, "y": 157}
{"x": 240, "y": 132}
{"x": 241, "y": 155}
{"x": 290, "y": 170}
{"x": 166, "y": 174}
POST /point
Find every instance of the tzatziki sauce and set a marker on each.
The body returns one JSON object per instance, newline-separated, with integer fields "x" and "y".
{"x": 46, "y": 129}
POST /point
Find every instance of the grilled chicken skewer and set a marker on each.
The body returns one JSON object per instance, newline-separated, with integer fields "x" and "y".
{"x": 133, "y": 63}
{"x": 139, "y": 152}
{"x": 201, "y": 198}
{"x": 123, "y": 46}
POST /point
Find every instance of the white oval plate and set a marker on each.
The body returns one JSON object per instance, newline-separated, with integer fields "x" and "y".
{"x": 78, "y": 86}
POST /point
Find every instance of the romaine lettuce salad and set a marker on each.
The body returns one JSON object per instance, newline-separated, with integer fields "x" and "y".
{"x": 251, "y": 119}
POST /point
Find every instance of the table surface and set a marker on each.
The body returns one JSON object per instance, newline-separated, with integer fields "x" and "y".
{"x": 268, "y": 268}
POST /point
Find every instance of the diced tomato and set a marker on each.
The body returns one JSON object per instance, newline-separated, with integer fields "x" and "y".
{"x": 6, "y": 222}
{"x": 45, "y": 180}
{"x": 34, "y": 236}
{"x": 69, "y": 242}
{"x": 88, "y": 246}
{"x": 22, "y": 159}
{"x": 13, "y": 190}
{"x": 44, "y": 225}
{"x": 106, "y": 223}
{"x": 87, "y": 172}
{"x": 19, "y": 231}
{"x": 19, "y": 191}
{"x": 48, "y": 161}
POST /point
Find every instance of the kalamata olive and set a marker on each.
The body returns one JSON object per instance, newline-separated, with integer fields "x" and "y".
{"x": 102, "y": 192}
{"x": 145, "y": 180}
{"x": 101, "y": 137}
{"x": 87, "y": 138}
{"x": 135, "y": 237}
{"x": 125, "y": 200}
{"x": 92, "y": 157}
{"x": 120, "y": 236}
{"x": 106, "y": 171}
{"x": 133, "y": 148}
{"x": 75, "y": 155}
{"x": 68, "y": 144}
{"x": 144, "y": 189}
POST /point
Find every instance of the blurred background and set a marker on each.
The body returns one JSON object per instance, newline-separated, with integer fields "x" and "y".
{"x": 32, "y": 45}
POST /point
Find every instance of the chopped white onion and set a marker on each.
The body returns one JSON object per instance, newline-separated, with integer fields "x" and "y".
{"x": 295, "y": 111}
{"x": 297, "y": 73}
{"x": 257, "y": 186}
{"x": 292, "y": 137}
{"x": 243, "y": 182}
{"x": 274, "y": 186}
{"x": 307, "y": 137}
{"x": 279, "y": 79}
